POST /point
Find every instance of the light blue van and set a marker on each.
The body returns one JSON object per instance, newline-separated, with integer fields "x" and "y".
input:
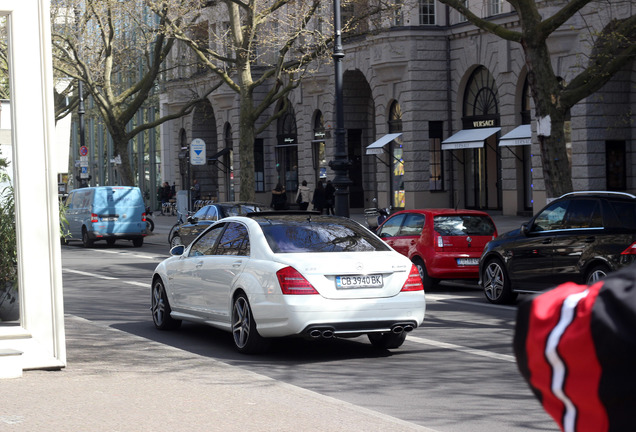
{"x": 106, "y": 213}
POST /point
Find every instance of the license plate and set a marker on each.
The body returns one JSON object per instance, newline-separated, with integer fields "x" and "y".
{"x": 467, "y": 261}
{"x": 109, "y": 219}
{"x": 359, "y": 281}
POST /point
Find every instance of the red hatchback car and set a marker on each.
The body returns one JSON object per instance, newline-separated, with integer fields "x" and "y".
{"x": 442, "y": 243}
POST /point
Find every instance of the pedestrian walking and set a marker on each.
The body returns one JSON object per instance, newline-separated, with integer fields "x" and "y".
{"x": 319, "y": 200}
{"x": 166, "y": 194}
{"x": 303, "y": 196}
{"x": 279, "y": 197}
{"x": 330, "y": 196}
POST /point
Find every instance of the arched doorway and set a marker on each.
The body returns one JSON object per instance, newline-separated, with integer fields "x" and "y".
{"x": 204, "y": 127}
{"x": 228, "y": 162}
{"x": 359, "y": 113}
{"x": 396, "y": 150}
{"x": 482, "y": 161}
{"x": 287, "y": 150}
{"x": 318, "y": 148}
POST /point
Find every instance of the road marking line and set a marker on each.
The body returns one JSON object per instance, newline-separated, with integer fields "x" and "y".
{"x": 140, "y": 284}
{"x": 137, "y": 255}
{"x": 466, "y": 300}
{"x": 474, "y": 351}
{"x": 90, "y": 274}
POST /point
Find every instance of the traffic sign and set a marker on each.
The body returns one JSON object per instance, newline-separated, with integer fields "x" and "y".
{"x": 197, "y": 152}
{"x": 83, "y": 151}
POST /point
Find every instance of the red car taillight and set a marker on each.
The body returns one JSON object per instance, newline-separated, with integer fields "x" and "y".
{"x": 143, "y": 217}
{"x": 631, "y": 250}
{"x": 94, "y": 218}
{"x": 414, "y": 281}
{"x": 292, "y": 282}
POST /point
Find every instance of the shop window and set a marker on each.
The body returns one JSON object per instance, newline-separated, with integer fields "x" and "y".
{"x": 436, "y": 160}
{"x": 259, "y": 165}
{"x": 615, "y": 165}
{"x": 397, "y": 159}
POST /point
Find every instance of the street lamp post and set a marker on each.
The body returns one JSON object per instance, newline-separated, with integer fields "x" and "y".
{"x": 340, "y": 164}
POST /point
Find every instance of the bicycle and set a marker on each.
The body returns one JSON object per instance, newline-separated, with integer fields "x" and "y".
{"x": 173, "y": 237}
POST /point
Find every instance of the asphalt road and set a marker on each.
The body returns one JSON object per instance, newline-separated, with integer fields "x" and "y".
{"x": 456, "y": 373}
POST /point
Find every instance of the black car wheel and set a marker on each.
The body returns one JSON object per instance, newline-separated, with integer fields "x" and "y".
{"x": 497, "y": 287}
{"x": 246, "y": 338}
{"x": 86, "y": 241}
{"x": 175, "y": 241}
{"x": 597, "y": 273}
{"x": 387, "y": 340}
{"x": 429, "y": 282}
{"x": 161, "y": 308}
{"x": 138, "y": 242}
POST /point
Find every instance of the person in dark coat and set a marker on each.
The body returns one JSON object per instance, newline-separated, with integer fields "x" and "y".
{"x": 576, "y": 347}
{"x": 320, "y": 198}
{"x": 330, "y": 196}
{"x": 279, "y": 198}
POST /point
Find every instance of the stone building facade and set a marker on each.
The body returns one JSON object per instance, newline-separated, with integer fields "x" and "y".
{"x": 437, "y": 114}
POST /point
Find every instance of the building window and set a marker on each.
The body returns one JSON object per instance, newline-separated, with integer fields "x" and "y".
{"x": 427, "y": 12}
{"x": 259, "y": 165}
{"x": 494, "y": 7}
{"x": 462, "y": 17}
{"x": 398, "y": 15}
{"x": 436, "y": 160}
{"x": 615, "y": 166}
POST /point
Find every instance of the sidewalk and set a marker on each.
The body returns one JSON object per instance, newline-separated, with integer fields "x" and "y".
{"x": 115, "y": 381}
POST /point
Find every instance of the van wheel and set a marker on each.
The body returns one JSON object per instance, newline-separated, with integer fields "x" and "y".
{"x": 86, "y": 241}
{"x": 138, "y": 242}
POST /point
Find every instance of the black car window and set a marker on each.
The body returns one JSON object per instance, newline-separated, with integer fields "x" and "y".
{"x": 288, "y": 235}
{"x": 551, "y": 218}
{"x": 580, "y": 213}
{"x": 205, "y": 244}
{"x": 234, "y": 241}
{"x": 463, "y": 225}
{"x": 391, "y": 226}
{"x": 625, "y": 212}
{"x": 200, "y": 214}
{"x": 413, "y": 224}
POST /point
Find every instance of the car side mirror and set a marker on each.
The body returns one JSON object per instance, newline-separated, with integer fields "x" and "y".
{"x": 524, "y": 229}
{"x": 177, "y": 250}
{"x": 192, "y": 219}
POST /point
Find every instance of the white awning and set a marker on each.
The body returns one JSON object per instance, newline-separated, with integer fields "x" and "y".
{"x": 469, "y": 138}
{"x": 521, "y": 135}
{"x": 376, "y": 147}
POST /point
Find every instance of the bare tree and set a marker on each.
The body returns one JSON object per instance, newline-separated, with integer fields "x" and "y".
{"x": 613, "y": 48}
{"x": 266, "y": 44}
{"x": 118, "y": 50}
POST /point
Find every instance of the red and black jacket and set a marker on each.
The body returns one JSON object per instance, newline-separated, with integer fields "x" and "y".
{"x": 576, "y": 348}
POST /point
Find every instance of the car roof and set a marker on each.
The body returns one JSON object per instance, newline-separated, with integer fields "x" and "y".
{"x": 598, "y": 194}
{"x": 444, "y": 211}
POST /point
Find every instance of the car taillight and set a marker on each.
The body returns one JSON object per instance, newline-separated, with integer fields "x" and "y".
{"x": 143, "y": 217}
{"x": 631, "y": 250}
{"x": 440, "y": 241}
{"x": 292, "y": 282}
{"x": 414, "y": 281}
{"x": 94, "y": 218}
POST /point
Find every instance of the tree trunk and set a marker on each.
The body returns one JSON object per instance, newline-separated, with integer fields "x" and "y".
{"x": 246, "y": 147}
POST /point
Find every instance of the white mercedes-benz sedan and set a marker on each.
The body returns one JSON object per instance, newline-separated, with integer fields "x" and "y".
{"x": 276, "y": 274}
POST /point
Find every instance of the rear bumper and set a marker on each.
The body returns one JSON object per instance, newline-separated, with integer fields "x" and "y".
{"x": 446, "y": 267}
{"x": 298, "y": 315}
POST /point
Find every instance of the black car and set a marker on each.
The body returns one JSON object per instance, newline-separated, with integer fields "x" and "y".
{"x": 206, "y": 216}
{"x": 578, "y": 237}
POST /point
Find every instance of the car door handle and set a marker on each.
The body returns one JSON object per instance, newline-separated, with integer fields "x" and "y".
{"x": 547, "y": 241}
{"x": 237, "y": 264}
{"x": 199, "y": 264}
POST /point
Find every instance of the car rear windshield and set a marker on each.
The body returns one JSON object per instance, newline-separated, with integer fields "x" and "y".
{"x": 462, "y": 225}
{"x": 318, "y": 234}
